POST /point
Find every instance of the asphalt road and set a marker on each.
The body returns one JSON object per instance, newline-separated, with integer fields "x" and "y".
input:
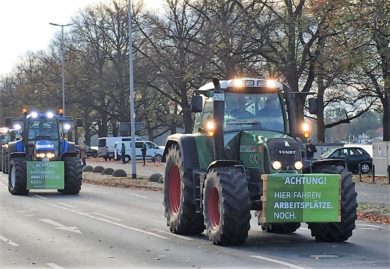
{"x": 106, "y": 227}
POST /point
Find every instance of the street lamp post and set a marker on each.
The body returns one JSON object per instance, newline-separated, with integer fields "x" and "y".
{"x": 62, "y": 60}
{"x": 132, "y": 110}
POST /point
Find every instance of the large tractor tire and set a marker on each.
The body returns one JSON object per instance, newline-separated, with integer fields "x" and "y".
{"x": 338, "y": 231}
{"x": 281, "y": 228}
{"x": 179, "y": 197}
{"x": 17, "y": 177}
{"x": 226, "y": 206}
{"x": 73, "y": 175}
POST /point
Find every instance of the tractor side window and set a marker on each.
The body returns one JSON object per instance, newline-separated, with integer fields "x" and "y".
{"x": 207, "y": 112}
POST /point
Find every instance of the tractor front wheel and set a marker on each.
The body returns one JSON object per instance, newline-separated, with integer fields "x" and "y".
{"x": 17, "y": 177}
{"x": 73, "y": 175}
{"x": 338, "y": 231}
{"x": 179, "y": 197}
{"x": 226, "y": 206}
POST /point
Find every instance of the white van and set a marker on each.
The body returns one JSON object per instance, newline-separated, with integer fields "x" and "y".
{"x": 110, "y": 142}
{"x": 153, "y": 152}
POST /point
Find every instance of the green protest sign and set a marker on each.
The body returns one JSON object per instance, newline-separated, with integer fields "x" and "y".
{"x": 45, "y": 175}
{"x": 301, "y": 198}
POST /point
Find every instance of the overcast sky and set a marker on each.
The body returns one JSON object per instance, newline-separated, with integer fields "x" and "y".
{"x": 24, "y": 25}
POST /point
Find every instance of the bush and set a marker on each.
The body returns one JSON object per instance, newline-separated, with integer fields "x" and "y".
{"x": 88, "y": 168}
{"x": 98, "y": 169}
{"x": 119, "y": 173}
{"x": 156, "y": 178}
{"x": 108, "y": 171}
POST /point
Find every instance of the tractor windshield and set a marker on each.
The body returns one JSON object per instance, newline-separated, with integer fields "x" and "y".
{"x": 43, "y": 128}
{"x": 254, "y": 111}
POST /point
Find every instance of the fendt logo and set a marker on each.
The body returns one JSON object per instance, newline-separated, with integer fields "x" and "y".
{"x": 286, "y": 152}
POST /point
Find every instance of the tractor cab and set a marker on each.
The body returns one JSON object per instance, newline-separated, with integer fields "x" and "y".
{"x": 258, "y": 128}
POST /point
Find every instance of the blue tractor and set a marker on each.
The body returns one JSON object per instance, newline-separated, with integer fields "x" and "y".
{"x": 41, "y": 157}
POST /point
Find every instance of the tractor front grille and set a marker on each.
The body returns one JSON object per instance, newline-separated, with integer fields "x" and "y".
{"x": 285, "y": 150}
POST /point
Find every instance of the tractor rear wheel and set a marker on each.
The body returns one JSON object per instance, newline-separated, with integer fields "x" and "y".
{"x": 73, "y": 175}
{"x": 17, "y": 177}
{"x": 338, "y": 231}
{"x": 226, "y": 206}
{"x": 281, "y": 228}
{"x": 179, "y": 197}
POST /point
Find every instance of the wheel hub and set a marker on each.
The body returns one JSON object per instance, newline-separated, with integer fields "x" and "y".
{"x": 213, "y": 207}
{"x": 174, "y": 189}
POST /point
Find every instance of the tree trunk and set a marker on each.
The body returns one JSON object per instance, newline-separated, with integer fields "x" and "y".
{"x": 386, "y": 117}
{"x": 320, "y": 110}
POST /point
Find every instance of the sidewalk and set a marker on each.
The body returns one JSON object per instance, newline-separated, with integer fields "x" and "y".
{"x": 143, "y": 171}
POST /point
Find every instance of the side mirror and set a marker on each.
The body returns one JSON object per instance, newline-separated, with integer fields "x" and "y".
{"x": 313, "y": 107}
{"x": 79, "y": 122}
{"x": 8, "y": 122}
{"x": 196, "y": 103}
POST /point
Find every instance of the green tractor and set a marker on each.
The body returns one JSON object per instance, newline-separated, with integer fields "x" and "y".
{"x": 40, "y": 157}
{"x": 244, "y": 154}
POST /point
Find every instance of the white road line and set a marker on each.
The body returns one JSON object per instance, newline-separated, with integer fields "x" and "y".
{"x": 108, "y": 221}
{"x": 6, "y": 240}
{"x": 60, "y": 226}
{"x": 287, "y": 264}
{"x": 68, "y": 205}
{"x": 54, "y": 266}
{"x": 172, "y": 234}
{"x": 105, "y": 216}
{"x": 137, "y": 195}
{"x": 369, "y": 225}
{"x": 3, "y": 185}
{"x": 39, "y": 196}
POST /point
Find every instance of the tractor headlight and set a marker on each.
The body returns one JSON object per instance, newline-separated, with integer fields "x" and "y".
{"x": 49, "y": 115}
{"x": 34, "y": 114}
{"x": 210, "y": 127}
{"x": 298, "y": 165}
{"x": 276, "y": 165}
{"x": 41, "y": 155}
{"x": 270, "y": 83}
{"x": 17, "y": 127}
{"x": 67, "y": 126}
{"x": 50, "y": 155}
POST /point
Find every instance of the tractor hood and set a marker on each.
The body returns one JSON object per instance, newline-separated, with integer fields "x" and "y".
{"x": 44, "y": 145}
{"x": 259, "y": 149}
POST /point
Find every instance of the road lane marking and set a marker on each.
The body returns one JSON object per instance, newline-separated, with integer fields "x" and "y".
{"x": 60, "y": 226}
{"x": 172, "y": 234}
{"x": 369, "y": 225}
{"x": 108, "y": 221}
{"x": 6, "y": 240}
{"x": 68, "y": 205}
{"x": 39, "y": 196}
{"x": 3, "y": 185}
{"x": 54, "y": 266}
{"x": 287, "y": 264}
{"x": 137, "y": 195}
{"x": 105, "y": 216}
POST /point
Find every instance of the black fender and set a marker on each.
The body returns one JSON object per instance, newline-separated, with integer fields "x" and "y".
{"x": 311, "y": 166}
{"x": 68, "y": 149}
{"x": 17, "y": 154}
{"x": 222, "y": 163}
{"x": 187, "y": 147}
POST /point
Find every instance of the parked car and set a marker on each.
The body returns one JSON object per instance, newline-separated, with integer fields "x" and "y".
{"x": 92, "y": 152}
{"x": 353, "y": 157}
